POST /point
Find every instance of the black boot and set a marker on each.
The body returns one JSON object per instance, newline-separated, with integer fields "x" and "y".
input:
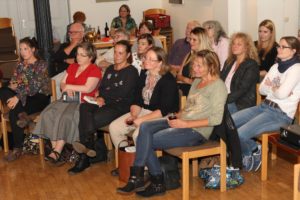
{"x": 135, "y": 182}
{"x": 156, "y": 187}
{"x": 80, "y": 164}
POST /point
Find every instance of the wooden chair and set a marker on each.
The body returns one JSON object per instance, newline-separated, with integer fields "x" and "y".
{"x": 8, "y": 42}
{"x": 5, "y": 121}
{"x": 208, "y": 149}
{"x": 265, "y": 139}
{"x": 297, "y": 182}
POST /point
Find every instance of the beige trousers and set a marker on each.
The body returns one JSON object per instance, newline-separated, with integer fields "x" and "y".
{"x": 118, "y": 128}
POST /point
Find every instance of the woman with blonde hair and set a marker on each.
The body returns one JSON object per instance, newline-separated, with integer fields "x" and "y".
{"x": 198, "y": 41}
{"x": 266, "y": 45}
{"x": 241, "y": 73}
{"x": 192, "y": 126}
{"x": 218, "y": 38}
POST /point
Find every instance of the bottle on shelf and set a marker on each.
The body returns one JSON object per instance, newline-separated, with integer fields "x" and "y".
{"x": 106, "y": 30}
{"x": 98, "y": 35}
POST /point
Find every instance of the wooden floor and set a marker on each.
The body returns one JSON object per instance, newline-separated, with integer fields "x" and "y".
{"x": 32, "y": 178}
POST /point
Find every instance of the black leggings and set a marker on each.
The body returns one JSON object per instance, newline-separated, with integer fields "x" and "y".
{"x": 34, "y": 104}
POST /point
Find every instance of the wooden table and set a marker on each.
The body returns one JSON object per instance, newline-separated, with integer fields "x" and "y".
{"x": 108, "y": 44}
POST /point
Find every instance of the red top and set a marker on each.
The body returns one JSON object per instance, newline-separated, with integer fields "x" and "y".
{"x": 91, "y": 71}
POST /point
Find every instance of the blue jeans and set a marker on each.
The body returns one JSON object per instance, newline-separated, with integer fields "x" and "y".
{"x": 159, "y": 135}
{"x": 232, "y": 108}
{"x": 252, "y": 122}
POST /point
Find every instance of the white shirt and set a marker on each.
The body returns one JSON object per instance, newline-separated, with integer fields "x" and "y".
{"x": 287, "y": 95}
{"x": 229, "y": 77}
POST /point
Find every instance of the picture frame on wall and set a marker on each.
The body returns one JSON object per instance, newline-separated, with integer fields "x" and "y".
{"x": 176, "y": 1}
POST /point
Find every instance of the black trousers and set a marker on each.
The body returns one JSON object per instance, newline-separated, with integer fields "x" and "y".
{"x": 93, "y": 117}
{"x": 33, "y": 104}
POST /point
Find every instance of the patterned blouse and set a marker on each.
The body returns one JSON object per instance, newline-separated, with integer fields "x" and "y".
{"x": 31, "y": 79}
{"x": 149, "y": 87}
{"x": 117, "y": 23}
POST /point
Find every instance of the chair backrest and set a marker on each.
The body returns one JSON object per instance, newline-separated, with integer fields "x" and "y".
{"x": 8, "y": 41}
{"x": 153, "y": 11}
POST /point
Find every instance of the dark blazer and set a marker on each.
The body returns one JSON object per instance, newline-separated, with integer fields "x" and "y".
{"x": 243, "y": 83}
{"x": 165, "y": 95}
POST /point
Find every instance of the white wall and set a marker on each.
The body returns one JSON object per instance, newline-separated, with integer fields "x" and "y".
{"x": 99, "y": 13}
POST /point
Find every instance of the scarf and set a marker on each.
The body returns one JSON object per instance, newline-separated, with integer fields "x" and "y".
{"x": 284, "y": 65}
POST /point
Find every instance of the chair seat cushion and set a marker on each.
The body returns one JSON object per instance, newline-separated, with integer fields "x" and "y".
{"x": 179, "y": 150}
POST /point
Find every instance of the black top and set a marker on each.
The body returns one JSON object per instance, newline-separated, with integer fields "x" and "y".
{"x": 243, "y": 83}
{"x": 118, "y": 86}
{"x": 186, "y": 72}
{"x": 165, "y": 95}
{"x": 59, "y": 65}
{"x": 270, "y": 58}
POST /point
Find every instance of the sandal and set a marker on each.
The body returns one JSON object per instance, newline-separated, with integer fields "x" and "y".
{"x": 13, "y": 155}
{"x": 57, "y": 161}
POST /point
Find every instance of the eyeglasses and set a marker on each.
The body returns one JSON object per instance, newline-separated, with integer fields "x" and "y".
{"x": 282, "y": 47}
{"x": 149, "y": 59}
{"x": 74, "y": 32}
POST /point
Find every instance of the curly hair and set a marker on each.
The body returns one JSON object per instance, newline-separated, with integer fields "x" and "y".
{"x": 218, "y": 29}
{"x": 251, "y": 51}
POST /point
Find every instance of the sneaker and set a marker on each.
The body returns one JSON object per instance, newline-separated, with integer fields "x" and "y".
{"x": 257, "y": 158}
{"x": 248, "y": 163}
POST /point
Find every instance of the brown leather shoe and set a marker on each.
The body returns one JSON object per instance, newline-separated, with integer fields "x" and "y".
{"x": 80, "y": 148}
{"x": 13, "y": 155}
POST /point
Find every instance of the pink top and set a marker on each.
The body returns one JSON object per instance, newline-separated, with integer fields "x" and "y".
{"x": 91, "y": 71}
{"x": 222, "y": 50}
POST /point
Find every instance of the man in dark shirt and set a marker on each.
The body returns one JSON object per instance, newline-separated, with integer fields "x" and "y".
{"x": 181, "y": 47}
{"x": 66, "y": 54}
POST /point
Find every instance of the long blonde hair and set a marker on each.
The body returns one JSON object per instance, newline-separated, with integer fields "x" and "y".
{"x": 269, "y": 25}
{"x": 251, "y": 50}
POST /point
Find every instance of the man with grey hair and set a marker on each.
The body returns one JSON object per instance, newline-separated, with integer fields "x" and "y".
{"x": 66, "y": 54}
{"x": 181, "y": 47}
{"x": 107, "y": 58}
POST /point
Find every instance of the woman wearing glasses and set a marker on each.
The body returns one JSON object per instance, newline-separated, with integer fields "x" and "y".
{"x": 241, "y": 73}
{"x": 281, "y": 86}
{"x": 266, "y": 46}
{"x": 157, "y": 95}
{"x": 59, "y": 121}
{"x": 193, "y": 126}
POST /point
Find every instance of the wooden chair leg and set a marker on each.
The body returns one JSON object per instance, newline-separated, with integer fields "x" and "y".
{"x": 4, "y": 135}
{"x": 264, "y": 157}
{"x": 42, "y": 147}
{"x": 296, "y": 182}
{"x": 274, "y": 152}
{"x": 223, "y": 166}
{"x": 116, "y": 157}
{"x": 108, "y": 141}
{"x": 195, "y": 166}
{"x": 185, "y": 177}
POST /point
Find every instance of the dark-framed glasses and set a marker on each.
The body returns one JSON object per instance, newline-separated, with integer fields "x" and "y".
{"x": 282, "y": 47}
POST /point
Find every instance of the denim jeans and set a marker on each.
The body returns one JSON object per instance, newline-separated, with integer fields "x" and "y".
{"x": 252, "y": 122}
{"x": 232, "y": 108}
{"x": 158, "y": 134}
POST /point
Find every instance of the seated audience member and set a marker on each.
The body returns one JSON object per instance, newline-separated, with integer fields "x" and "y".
{"x": 107, "y": 58}
{"x": 157, "y": 96}
{"x": 241, "y": 73}
{"x": 198, "y": 41}
{"x": 146, "y": 28}
{"x": 145, "y": 42}
{"x": 193, "y": 126}
{"x": 28, "y": 91}
{"x": 181, "y": 47}
{"x": 123, "y": 21}
{"x": 266, "y": 46}
{"x": 281, "y": 85}
{"x": 116, "y": 94}
{"x": 218, "y": 38}
{"x": 66, "y": 54}
{"x": 78, "y": 17}
{"x": 59, "y": 120}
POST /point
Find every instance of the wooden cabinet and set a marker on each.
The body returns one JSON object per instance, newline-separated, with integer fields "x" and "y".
{"x": 168, "y": 32}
